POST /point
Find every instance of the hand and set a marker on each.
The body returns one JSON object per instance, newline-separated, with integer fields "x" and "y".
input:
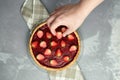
{"x": 71, "y": 16}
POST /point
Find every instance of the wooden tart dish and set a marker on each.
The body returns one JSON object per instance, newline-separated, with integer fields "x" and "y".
{"x": 53, "y": 52}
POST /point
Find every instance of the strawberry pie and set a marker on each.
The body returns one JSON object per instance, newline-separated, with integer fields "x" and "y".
{"x": 53, "y": 52}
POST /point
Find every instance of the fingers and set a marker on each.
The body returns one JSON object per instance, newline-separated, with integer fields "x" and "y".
{"x": 50, "y": 20}
{"x": 68, "y": 31}
{"x": 54, "y": 21}
{"x": 52, "y": 17}
{"x": 54, "y": 25}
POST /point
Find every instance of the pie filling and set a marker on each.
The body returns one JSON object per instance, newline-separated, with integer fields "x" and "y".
{"x": 53, "y": 51}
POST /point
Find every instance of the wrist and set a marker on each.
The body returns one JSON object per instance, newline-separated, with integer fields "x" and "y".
{"x": 86, "y": 6}
{"x": 81, "y": 11}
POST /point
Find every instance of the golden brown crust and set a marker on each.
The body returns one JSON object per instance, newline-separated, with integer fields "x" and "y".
{"x": 48, "y": 68}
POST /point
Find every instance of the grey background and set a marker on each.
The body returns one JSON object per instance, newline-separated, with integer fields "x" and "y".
{"x": 100, "y": 56}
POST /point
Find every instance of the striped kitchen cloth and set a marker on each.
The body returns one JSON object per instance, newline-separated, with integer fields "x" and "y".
{"x": 34, "y": 12}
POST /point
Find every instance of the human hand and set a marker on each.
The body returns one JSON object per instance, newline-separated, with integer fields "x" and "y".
{"x": 71, "y": 15}
{"x": 68, "y": 16}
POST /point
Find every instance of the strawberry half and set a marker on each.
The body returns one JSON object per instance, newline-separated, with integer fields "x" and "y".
{"x": 40, "y": 57}
{"x": 48, "y": 35}
{"x": 58, "y": 53}
{"x": 63, "y": 44}
{"x": 63, "y": 29}
{"x": 66, "y": 58}
{"x": 34, "y": 44}
{"x": 70, "y": 37}
{"x": 43, "y": 44}
{"x": 47, "y": 52}
{"x": 53, "y": 62}
{"x": 40, "y": 34}
{"x": 59, "y": 35}
{"x": 53, "y": 43}
{"x": 73, "y": 48}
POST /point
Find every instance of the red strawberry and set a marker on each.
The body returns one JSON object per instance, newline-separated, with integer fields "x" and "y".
{"x": 47, "y": 52}
{"x": 43, "y": 44}
{"x": 73, "y": 48}
{"x": 70, "y": 37}
{"x": 48, "y": 35}
{"x": 58, "y": 53}
{"x": 63, "y": 44}
{"x": 66, "y": 58}
{"x": 59, "y": 35}
{"x": 40, "y": 57}
{"x": 53, "y": 43}
{"x": 34, "y": 44}
{"x": 40, "y": 34}
{"x": 63, "y": 29}
{"x": 53, "y": 62}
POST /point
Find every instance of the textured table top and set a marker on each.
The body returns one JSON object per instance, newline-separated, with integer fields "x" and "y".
{"x": 100, "y": 35}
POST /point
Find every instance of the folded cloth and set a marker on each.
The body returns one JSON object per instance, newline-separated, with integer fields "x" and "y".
{"x": 34, "y": 12}
{"x": 71, "y": 73}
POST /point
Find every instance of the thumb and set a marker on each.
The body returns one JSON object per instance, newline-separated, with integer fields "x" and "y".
{"x": 68, "y": 31}
{"x": 53, "y": 27}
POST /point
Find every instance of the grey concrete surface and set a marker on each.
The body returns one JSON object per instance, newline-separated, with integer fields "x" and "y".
{"x": 100, "y": 35}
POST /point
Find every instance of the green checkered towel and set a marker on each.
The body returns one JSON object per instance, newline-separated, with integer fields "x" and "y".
{"x": 34, "y": 12}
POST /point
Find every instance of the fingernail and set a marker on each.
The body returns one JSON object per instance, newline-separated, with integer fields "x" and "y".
{"x": 64, "y": 35}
